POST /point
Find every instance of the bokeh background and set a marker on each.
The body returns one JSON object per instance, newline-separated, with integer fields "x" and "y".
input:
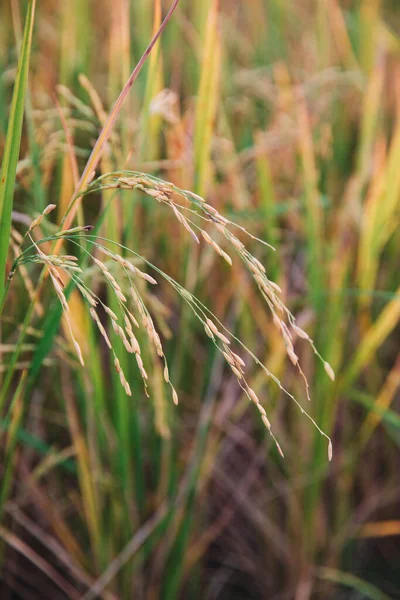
{"x": 285, "y": 116}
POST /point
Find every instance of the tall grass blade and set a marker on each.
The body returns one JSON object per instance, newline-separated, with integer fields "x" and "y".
{"x": 13, "y": 144}
{"x": 374, "y": 337}
{"x": 367, "y": 590}
{"x": 12, "y": 438}
{"x": 207, "y": 99}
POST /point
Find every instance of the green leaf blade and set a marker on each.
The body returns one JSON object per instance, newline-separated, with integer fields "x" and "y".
{"x": 13, "y": 144}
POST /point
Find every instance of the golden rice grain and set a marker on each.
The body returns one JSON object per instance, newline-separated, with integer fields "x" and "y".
{"x": 175, "y": 398}
{"x": 330, "y": 372}
{"x": 266, "y": 422}
{"x": 166, "y": 374}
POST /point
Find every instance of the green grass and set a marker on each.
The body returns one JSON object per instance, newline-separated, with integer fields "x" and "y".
{"x": 12, "y": 145}
{"x": 285, "y": 117}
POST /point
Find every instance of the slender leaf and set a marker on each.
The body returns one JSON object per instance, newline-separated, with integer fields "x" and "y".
{"x": 351, "y": 581}
{"x": 13, "y": 143}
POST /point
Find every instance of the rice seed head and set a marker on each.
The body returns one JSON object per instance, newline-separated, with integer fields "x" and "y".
{"x": 236, "y": 371}
{"x": 208, "y": 331}
{"x": 128, "y": 265}
{"x": 48, "y": 209}
{"x": 212, "y": 326}
{"x": 261, "y": 410}
{"x": 71, "y": 267}
{"x": 79, "y": 352}
{"x": 60, "y": 294}
{"x": 253, "y": 396}
{"x": 103, "y": 332}
{"x": 132, "y": 318}
{"x": 128, "y": 325}
{"x": 329, "y": 371}
{"x": 118, "y": 330}
{"x": 166, "y": 192}
{"x": 279, "y": 449}
{"x": 56, "y": 260}
{"x": 70, "y": 257}
{"x": 275, "y": 286}
{"x": 206, "y": 237}
{"x": 146, "y": 276}
{"x": 293, "y": 356}
{"x": 157, "y": 343}
{"x": 120, "y": 295}
{"x": 184, "y": 222}
{"x": 113, "y": 281}
{"x": 143, "y": 373}
{"x": 166, "y": 374}
{"x": 236, "y": 243}
{"x": 222, "y": 337}
{"x": 40, "y": 218}
{"x": 262, "y": 268}
{"x": 101, "y": 265}
{"x": 87, "y": 295}
{"x": 55, "y": 275}
{"x": 300, "y": 332}
{"x": 122, "y": 378}
{"x": 266, "y": 422}
{"x": 35, "y": 223}
{"x": 135, "y": 296}
{"x": 110, "y": 313}
{"x": 79, "y": 229}
{"x": 195, "y": 196}
{"x": 134, "y": 343}
{"x": 210, "y": 209}
{"x": 226, "y": 257}
{"x": 229, "y": 358}
{"x": 185, "y": 294}
{"x": 141, "y": 367}
{"x": 127, "y": 345}
{"x": 175, "y": 398}
{"x": 238, "y": 360}
{"x": 221, "y": 252}
{"x": 256, "y": 271}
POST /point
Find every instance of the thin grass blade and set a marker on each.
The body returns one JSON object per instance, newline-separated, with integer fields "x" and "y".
{"x": 13, "y": 143}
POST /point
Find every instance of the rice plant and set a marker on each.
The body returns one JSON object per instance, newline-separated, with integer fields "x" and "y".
{"x": 214, "y": 239}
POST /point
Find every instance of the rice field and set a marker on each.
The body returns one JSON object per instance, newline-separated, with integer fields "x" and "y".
{"x": 199, "y": 299}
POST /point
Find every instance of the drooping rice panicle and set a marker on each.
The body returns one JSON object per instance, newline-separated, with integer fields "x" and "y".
{"x": 51, "y": 262}
{"x": 209, "y": 323}
{"x": 165, "y": 192}
{"x": 40, "y": 218}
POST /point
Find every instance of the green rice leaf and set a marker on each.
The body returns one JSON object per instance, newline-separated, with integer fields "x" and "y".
{"x": 351, "y": 581}
{"x": 13, "y": 144}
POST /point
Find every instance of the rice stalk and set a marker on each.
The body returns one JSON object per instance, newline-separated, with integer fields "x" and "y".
{"x": 164, "y": 193}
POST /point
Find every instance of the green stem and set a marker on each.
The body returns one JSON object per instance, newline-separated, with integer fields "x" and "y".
{"x": 3, "y": 300}
{"x": 17, "y": 351}
{"x": 12, "y": 145}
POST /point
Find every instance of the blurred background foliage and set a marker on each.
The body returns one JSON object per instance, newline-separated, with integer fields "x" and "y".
{"x": 286, "y": 117}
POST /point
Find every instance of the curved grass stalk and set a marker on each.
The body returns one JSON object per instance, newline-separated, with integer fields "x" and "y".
{"x": 164, "y": 192}
{"x": 208, "y": 320}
